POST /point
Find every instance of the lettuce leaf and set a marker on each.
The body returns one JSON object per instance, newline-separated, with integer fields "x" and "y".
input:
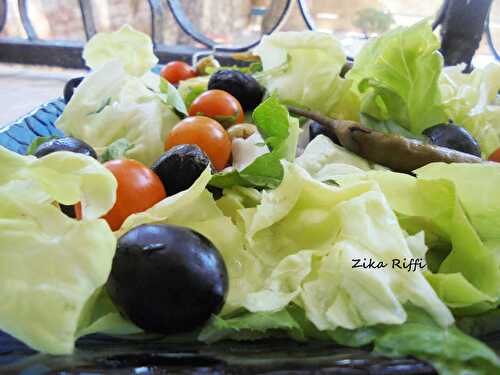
{"x": 121, "y": 98}
{"x": 470, "y": 100}
{"x": 302, "y": 68}
{"x": 483, "y": 210}
{"x": 128, "y": 46}
{"x": 464, "y": 245}
{"x": 397, "y": 75}
{"x": 115, "y": 150}
{"x": 110, "y": 105}
{"x": 449, "y": 350}
{"x": 190, "y": 89}
{"x": 306, "y": 235}
{"x": 51, "y": 266}
{"x": 281, "y": 133}
{"x": 433, "y": 205}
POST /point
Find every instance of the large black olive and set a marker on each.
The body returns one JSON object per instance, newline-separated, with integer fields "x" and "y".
{"x": 242, "y": 86}
{"x": 316, "y": 129}
{"x": 70, "y": 87}
{"x": 453, "y": 137}
{"x": 180, "y": 167}
{"x": 167, "y": 279}
{"x": 65, "y": 144}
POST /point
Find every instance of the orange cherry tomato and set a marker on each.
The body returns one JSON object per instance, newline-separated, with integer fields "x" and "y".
{"x": 138, "y": 189}
{"x": 220, "y": 106}
{"x": 78, "y": 211}
{"x": 176, "y": 71}
{"x": 495, "y": 156}
{"x": 207, "y": 134}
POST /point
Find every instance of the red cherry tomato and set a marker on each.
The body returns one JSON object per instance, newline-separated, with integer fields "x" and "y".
{"x": 219, "y": 105}
{"x": 495, "y": 156}
{"x": 176, "y": 71}
{"x": 138, "y": 189}
{"x": 207, "y": 134}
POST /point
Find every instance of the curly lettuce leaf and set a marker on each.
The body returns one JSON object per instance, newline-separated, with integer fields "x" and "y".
{"x": 470, "y": 100}
{"x": 110, "y": 105}
{"x": 483, "y": 210}
{"x": 306, "y": 235}
{"x": 51, "y": 266}
{"x": 281, "y": 133}
{"x": 128, "y": 46}
{"x": 460, "y": 225}
{"x": 397, "y": 75}
{"x": 302, "y": 68}
{"x": 433, "y": 205}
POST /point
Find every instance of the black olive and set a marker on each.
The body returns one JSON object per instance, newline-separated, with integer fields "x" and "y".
{"x": 242, "y": 86}
{"x": 316, "y": 129}
{"x": 70, "y": 87}
{"x": 65, "y": 144}
{"x": 167, "y": 279}
{"x": 346, "y": 68}
{"x": 180, "y": 167}
{"x": 453, "y": 137}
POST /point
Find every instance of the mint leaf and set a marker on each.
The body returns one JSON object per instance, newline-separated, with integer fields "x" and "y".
{"x": 280, "y": 133}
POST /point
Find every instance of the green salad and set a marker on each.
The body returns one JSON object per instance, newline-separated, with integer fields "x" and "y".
{"x": 202, "y": 202}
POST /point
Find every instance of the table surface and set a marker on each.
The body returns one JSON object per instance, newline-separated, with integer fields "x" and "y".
{"x": 23, "y": 88}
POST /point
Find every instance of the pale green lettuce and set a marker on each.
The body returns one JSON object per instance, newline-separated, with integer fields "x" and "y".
{"x": 460, "y": 225}
{"x": 110, "y": 105}
{"x": 302, "y": 68}
{"x": 52, "y": 266}
{"x": 477, "y": 189}
{"x": 121, "y": 98}
{"x": 133, "y": 48}
{"x": 397, "y": 75}
{"x": 470, "y": 101}
{"x": 306, "y": 235}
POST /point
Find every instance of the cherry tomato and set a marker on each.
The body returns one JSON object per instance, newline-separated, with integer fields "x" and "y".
{"x": 138, "y": 189}
{"x": 495, "y": 156}
{"x": 207, "y": 134}
{"x": 78, "y": 211}
{"x": 220, "y": 106}
{"x": 176, "y": 71}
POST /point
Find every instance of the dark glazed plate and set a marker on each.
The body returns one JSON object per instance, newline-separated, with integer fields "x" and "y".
{"x": 104, "y": 355}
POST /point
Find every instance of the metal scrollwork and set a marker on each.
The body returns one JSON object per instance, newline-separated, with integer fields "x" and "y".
{"x": 25, "y": 19}
{"x": 30, "y": 49}
{"x": 87, "y": 18}
{"x": 3, "y": 14}
{"x": 187, "y": 26}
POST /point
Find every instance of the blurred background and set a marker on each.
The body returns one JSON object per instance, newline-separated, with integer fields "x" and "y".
{"x": 228, "y": 22}
{"x": 236, "y": 22}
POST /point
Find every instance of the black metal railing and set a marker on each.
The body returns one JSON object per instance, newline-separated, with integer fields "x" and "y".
{"x": 34, "y": 50}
